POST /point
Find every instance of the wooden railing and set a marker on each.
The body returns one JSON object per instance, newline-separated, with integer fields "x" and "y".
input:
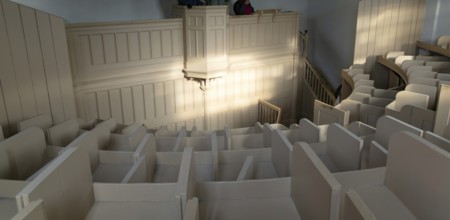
{"x": 318, "y": 85}
{"x": 268, "y": 113}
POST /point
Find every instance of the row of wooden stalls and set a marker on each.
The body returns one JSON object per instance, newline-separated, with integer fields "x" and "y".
{"x": 104, "y": 170}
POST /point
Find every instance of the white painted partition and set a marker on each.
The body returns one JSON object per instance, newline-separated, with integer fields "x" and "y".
{"x": 33, "y": 211}
{"x": 63, "y": 133}
{"x": 443, "y": 112}
{"x": 410, "y": 190}
{"x": 253, "y": 199}
{"x": 281, "y": 154}
{"x": 247, "y": 171}
{"x": 355, "y": 208}
{"x": 74, "y": 196}
{"x": 327, "y": 114}
{"x": 25, "y": 154}
{"x": 314, "y": 190}
{"x": 191, "y": 212}
{"x": 437, "y": 140}
{"x": 36, "y": 75}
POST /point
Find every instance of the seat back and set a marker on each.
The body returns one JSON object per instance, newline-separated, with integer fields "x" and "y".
{"x": 417, "y": 172}
{"x": 327, "y": 114}
{"x": 42, "y": 121}
{"x": 65, "y": 185}
{"x": 27, "y": 152}
{"x": 430, "y": 91}
{"x": 387, "y": 126}
{"x": 281, "y": 154}
{"x": 314, "y": 190}
{"x": 63, "y": 133}
{"x": 411, "y": 98}
{"x": 5, "y": 166}
{"x": 88, "y": 142}
{"x": 343, "y": 148}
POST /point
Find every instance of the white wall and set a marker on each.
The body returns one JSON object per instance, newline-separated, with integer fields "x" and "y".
{"x": 437, "y": 17}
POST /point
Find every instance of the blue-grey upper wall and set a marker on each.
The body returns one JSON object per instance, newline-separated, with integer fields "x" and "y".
{"x": 437, "y": 20}
{"x": 85, "y": 11}
{"x": 332, "y": 28}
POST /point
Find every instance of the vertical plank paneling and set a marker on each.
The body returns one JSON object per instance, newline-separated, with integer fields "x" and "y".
{"x": 109, "y": 42}
{"x": 127, "y": 105}
{"x": 92, "y": 110}
{"x": 188, "y": 95}
{"x": 167, "y": 43}
{"x": 156, "y": 44}
{"x": 386, "y": 25}
{"x": 104, "y": 111}
{"x": 160, "y": 102}
{"x": 96, "y": 43}
{"x": 179, "y": 97}
{"x": 8, "y": 80}
{"x": 115, "y": 100}
{"x": 177, "y": 40}
{"x": 169, "y": 94}
{"x": 138, "y": 102}
{"x": 133, "y": 46}
{"x": 144, "y": 39}
{"x": 51, "y": 66}
{"x": 20, "y": 58}
{"x": 122, "y": 47}
{"x": 35, "y": 59}
{"x": 149, "y": 103}
{"x": 63, "y": 65}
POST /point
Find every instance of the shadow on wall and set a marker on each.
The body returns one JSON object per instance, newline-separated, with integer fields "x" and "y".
{"x": 166, "y": 7}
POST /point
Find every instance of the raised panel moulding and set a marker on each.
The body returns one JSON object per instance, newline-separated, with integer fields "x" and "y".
{"x": 205, "y": 28}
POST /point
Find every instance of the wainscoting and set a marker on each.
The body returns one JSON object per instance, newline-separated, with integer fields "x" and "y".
{"x": 387, "y": 25}
{"x": 133, "y": 72}
{"x": 35, "y": 68}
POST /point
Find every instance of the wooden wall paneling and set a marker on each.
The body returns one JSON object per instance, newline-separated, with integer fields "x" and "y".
{"x": 35, "y": 59}
{"x": 144, "y": 42}
{"x": 115, "y": 100}
{"x": 8, "y": 80}
{"x": 156, "y": 44}
{"x": 134, "y": 46}
{"x": 127, "y": 105}
{"x": 359, "y": 35}
{"x": 169, "y": 96}
{"x": 188, "y": 91}
{"x": 149, "y": 103}
{"x": 388, "y": 8}
{"x": 51, "y": 66}
{"x": 96, "y": 48}
{"x": 109, "y": 47}
{"x": 104, "y": 110}
{"x": 138, "y": 103}
{"x": 420, "y": 20}
{"x": 122, "y": 47}
{"x": 63, "y": 62}
{"x": 379, "y": 44}
{"x": 92, "y": 105}
{"x": 177, "y": 39}
{"x": 166, "y": 40}
{"x": 20, "y": 58}
{"x": 401, "y": 25}
{"x": 394, "y": 23}
{"x": 160, "y": 101}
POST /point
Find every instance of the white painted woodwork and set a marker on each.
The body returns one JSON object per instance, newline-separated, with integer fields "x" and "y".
{"x": 111, "y": 80}
{"x": 205, "y": 42}
{"x": 387, "y": 25}
{"x": 35, "y": 75}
